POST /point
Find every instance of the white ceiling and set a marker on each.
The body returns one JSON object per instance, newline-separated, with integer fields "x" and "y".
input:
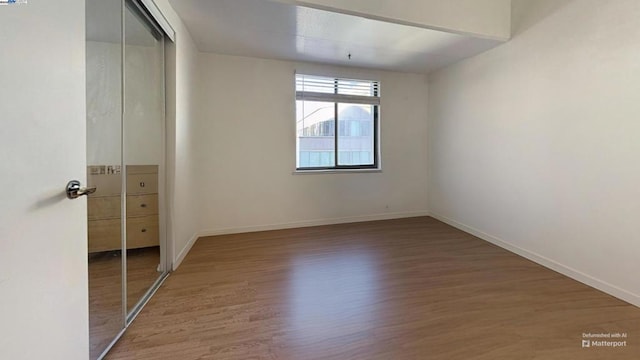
{"x": 268, "y": 29}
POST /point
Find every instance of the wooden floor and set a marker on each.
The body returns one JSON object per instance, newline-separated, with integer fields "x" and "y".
{"x": 400, "y": 289}
{"x": 106, "y": 317}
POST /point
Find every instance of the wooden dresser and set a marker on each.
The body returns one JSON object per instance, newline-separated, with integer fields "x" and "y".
{"x": 104, "y": 207}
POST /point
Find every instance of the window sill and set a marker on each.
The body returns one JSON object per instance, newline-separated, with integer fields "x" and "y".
{"x": 335, "y": 171}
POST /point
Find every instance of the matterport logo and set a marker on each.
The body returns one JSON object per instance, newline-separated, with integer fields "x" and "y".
{"x": 612, "y": 340}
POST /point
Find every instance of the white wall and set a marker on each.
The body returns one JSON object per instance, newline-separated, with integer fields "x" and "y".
{"x": 43, "y": 235}
{"x": 246, "y": 150}
{"x": 104, "y": 103}
{"x": 184, "y": 199}
{"x": 483, "y": 18}
{"x": 144, "y": 104}
{"x": 143, "y": 127}
{"x": 534, "y": 144}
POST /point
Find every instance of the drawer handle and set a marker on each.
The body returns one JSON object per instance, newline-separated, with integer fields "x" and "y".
{"x": 141, "y": 183}
{"x": 144, "y": 230}
{"x": 143, "y": 205}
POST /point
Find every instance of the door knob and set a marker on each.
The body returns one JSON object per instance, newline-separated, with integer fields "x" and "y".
{"x": 74, "y": 190}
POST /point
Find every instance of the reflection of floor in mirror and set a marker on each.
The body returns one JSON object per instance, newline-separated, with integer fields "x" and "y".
{"x": 105, "y": 290}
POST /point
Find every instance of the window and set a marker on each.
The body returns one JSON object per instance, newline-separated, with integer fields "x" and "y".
{"x": 336, "y": 123}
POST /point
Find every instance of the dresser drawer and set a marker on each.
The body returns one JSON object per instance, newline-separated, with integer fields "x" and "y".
{"x": 142, "y": 232}
{"x": 104, "y": 207}
{"x": 142, "y": 169}
{"x": 104, "y": 235}
{"x": 106, "y": 185}
{"x": 142, "y": 205}
{"x": 139, "y": 184}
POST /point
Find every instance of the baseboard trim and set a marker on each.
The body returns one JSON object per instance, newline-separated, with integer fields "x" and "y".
{"x": 308, "y": 223}
{"x": 589, "y": 280}
{"x": 247, "y": 229}
{"x": 183, "y": 253}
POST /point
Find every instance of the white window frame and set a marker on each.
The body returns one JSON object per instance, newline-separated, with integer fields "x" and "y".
{"x": 340, "y": 98}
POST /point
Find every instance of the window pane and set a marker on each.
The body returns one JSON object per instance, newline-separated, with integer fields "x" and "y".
{"x": 357, "y": 87}
{"x": 315, "y": 126}
{"x": 315, "y": 84}
{"x": 330, "y": 85}
{"x": 355, "y": 134}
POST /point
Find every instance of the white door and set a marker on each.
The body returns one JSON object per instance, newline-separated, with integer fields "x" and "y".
{"x": 43, "y": 235}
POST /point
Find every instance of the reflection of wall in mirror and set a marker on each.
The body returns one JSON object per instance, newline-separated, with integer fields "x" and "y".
{"x": 144, "y": 104}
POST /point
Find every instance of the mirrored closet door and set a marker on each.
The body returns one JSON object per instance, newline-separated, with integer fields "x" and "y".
{"x": 143, "y": 150}
{"x": 126, "y": 164}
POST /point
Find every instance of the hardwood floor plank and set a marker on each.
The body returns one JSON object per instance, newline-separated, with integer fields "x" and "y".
{"x": 398, "y": 289}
